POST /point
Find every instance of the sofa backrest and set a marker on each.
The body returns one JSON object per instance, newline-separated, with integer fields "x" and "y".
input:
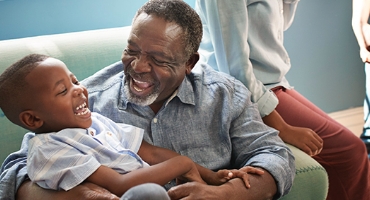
{"x": 83, "y": 52}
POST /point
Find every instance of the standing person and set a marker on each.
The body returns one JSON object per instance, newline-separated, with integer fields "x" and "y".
{"x": 245, "y": 39}
{"x": 73, "y": 144}
{"x": 361, "y": 28}
{"x": 188, "y": 108}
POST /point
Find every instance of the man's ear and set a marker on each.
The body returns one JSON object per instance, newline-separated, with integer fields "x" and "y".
{"x": 191, "y": 62}
{"x": 30, "y": 120}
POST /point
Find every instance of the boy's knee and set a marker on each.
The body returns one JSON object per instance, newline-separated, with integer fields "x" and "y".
{"x": 149, "y": 191}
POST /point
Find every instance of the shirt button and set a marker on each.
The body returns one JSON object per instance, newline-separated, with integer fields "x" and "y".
{"x": 109, "y": 133}
{"x": 92, "y": 133}
{"x": 155, "y": 120}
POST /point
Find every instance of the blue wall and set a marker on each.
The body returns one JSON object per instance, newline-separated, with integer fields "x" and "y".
{"x": 22, "y": 18}
{"x": 326, "y": 67}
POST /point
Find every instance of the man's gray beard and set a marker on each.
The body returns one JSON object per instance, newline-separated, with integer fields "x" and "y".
{"x": 141, "y": 101}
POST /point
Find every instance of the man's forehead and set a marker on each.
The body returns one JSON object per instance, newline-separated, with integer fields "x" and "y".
{"x": 148, "y": 19}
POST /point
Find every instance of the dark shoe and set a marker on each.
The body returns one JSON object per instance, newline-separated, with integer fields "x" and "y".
{"x": 366, "y": 139}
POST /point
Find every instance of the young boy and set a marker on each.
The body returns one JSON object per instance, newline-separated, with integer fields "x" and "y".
{"x": 72, "y": 144}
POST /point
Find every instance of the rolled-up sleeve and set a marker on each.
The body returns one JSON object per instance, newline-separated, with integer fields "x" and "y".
{"x": 256, "y": 144}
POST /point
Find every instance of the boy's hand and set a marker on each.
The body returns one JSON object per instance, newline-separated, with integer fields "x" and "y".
{"x": 225, "y": 175}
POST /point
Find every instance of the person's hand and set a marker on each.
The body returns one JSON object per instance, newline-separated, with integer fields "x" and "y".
{"x": 364, "y": 51}
{"x": 368, "y": 58}
{"x": 91, "y": 191}
{"x": 262, "y": 187}
{"x": 303, "y": 138}
{"x": 224, "y": 175}
{"x": 86, "y": 191}
{"x": 365, "y": 55}
{"x": 194, "y": 190}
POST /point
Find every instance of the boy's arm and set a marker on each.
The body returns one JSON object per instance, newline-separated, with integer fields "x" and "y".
{"x": 160, "y": 173}
{"x": 153, "y": 155}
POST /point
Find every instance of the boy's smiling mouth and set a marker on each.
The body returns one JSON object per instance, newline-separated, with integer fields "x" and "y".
{"x": 82, "y": 109}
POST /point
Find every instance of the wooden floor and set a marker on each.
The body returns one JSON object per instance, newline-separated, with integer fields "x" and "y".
{"x": 352, "y": 118}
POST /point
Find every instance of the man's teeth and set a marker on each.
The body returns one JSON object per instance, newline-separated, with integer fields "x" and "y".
{"x": 137, "y": 81}
{"x": 137, "y": 89}
{"x": 81, "y": 106}
{"x": 140, "y": 85}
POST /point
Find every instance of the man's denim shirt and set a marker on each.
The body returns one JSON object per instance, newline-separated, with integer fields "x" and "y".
{"x": 210, "y": 119}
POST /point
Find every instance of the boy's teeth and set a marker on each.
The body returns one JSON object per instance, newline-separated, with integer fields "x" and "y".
{"x": 83, "y": 112}
{"x": 81, "y": 106}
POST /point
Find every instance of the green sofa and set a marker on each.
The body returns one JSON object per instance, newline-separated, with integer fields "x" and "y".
{"x": 88, "y": 51}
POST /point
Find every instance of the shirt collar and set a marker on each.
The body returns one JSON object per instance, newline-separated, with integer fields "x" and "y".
{"x": 186, "y": 91}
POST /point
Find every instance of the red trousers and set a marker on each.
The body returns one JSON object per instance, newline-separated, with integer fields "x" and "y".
{"x": 344, "y": 155}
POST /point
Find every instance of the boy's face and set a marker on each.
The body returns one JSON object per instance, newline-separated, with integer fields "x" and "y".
{"x": 59, "y": 100}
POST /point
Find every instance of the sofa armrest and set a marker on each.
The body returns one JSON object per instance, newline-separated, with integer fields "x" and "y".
{"x": 311, "y": 179}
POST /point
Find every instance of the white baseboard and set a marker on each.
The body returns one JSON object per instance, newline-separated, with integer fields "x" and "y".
{"x": 352, "y": 118}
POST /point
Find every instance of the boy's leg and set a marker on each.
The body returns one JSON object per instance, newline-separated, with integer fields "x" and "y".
{"x": 147, "y": 191}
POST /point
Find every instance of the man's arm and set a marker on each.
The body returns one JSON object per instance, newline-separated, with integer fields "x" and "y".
{"x": 14, "y": 170}
{"x": 29, "y": 190}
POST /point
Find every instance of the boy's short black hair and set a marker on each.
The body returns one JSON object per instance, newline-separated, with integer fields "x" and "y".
{"x": 13, "y": 85}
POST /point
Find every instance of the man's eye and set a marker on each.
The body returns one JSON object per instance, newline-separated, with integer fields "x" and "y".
{"x": 76, "y": 82}
{"x": 130, "y": 52}
{"x": 158, "y": 62}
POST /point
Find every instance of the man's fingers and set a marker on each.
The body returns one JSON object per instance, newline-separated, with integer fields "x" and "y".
{"x": 179, "y": 192}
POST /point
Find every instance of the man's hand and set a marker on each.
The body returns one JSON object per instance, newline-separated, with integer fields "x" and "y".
{"x": 93, "y": 192}
{"x": 195, "y": 190}
{"x": 262, "y": 187}
{"x": 85, "y": 191}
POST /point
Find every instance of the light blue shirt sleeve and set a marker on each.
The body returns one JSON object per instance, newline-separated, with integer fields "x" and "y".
{"x": 245, "y": 39}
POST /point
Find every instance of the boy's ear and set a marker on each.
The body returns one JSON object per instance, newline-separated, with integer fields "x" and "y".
{"x": 30, "y": 120}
